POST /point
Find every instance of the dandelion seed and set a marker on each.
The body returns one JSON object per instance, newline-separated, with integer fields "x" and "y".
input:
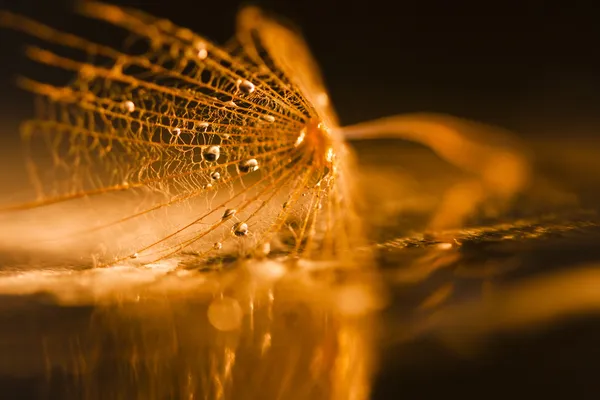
{"x": 96, "y": 141}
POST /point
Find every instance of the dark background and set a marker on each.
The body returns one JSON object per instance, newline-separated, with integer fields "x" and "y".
{"x": 528, "y": 66}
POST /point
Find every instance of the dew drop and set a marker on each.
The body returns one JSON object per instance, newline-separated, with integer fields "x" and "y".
{"x": 134, "y": 255}
{"x": 231, "y": 103}
{"x": 176, "y": 131}
{"x": 300, "y": 138}
{"x": 215, "y": 175}
{"x": 129, "y": 106}
{"x": 230, "y": 212}
{"x": 218, "y": 246}
{"x": 86, "y": 72}
{"x": 202, "y": 51}
{"x": 330, "y": 155}
{"x": 250, "y": 165}
{"x": 225, "y": 314}
{"x": 203, "y": 125}
{"x": 322, "y": 99}
{"x": 212, "y": 153}
{"x": 269, "y": 118}
{"x": 245, "y": 86}
{"x": 264, "y": 249}
{"x": 444, "y": 246}
{"x": 240, "y": 229}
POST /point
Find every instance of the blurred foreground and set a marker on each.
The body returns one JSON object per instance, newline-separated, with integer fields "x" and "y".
{"x": 506, "y": 308}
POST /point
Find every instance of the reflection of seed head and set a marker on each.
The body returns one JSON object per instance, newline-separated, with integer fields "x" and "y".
{"x": 212, "y": 153}
{"x": 225, "y": 314}
{"x": 240, "y": 229}
{"x": 250, "y": 165}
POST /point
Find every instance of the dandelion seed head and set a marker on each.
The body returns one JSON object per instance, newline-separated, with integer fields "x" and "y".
{"x": 241, "y": 109}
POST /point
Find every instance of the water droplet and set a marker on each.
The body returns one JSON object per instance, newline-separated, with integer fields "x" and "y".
{"x": 245, "y": 86}
{"x": 202, "y": 52}
{"x": 225, "y": 314}
{"x": 134, "y": 255}
{"x": 250, "y": 165}
{"x": 300, "y": 138}
{"x": 176, "y": 131}
{"x": 218, "y": 246}
{"x": 240, "y": 229}
{"x": 208, "y": 186}
{"x": 229, "y": 213}
{"x": 215, "y": 175}
{"x": 322, "y": 99}
{"x": 86, "y": 72}
{"x": 231, "y": 103}
{"x": 212, "y": 153}
{"x": 203, "y": 125}
{"x": 129, "y": 106}
{"x": 444, "y": 246}
{"x": 330, "y": 155}
{"x": 269, "y": 118}
{"x": 264, "y": 249}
